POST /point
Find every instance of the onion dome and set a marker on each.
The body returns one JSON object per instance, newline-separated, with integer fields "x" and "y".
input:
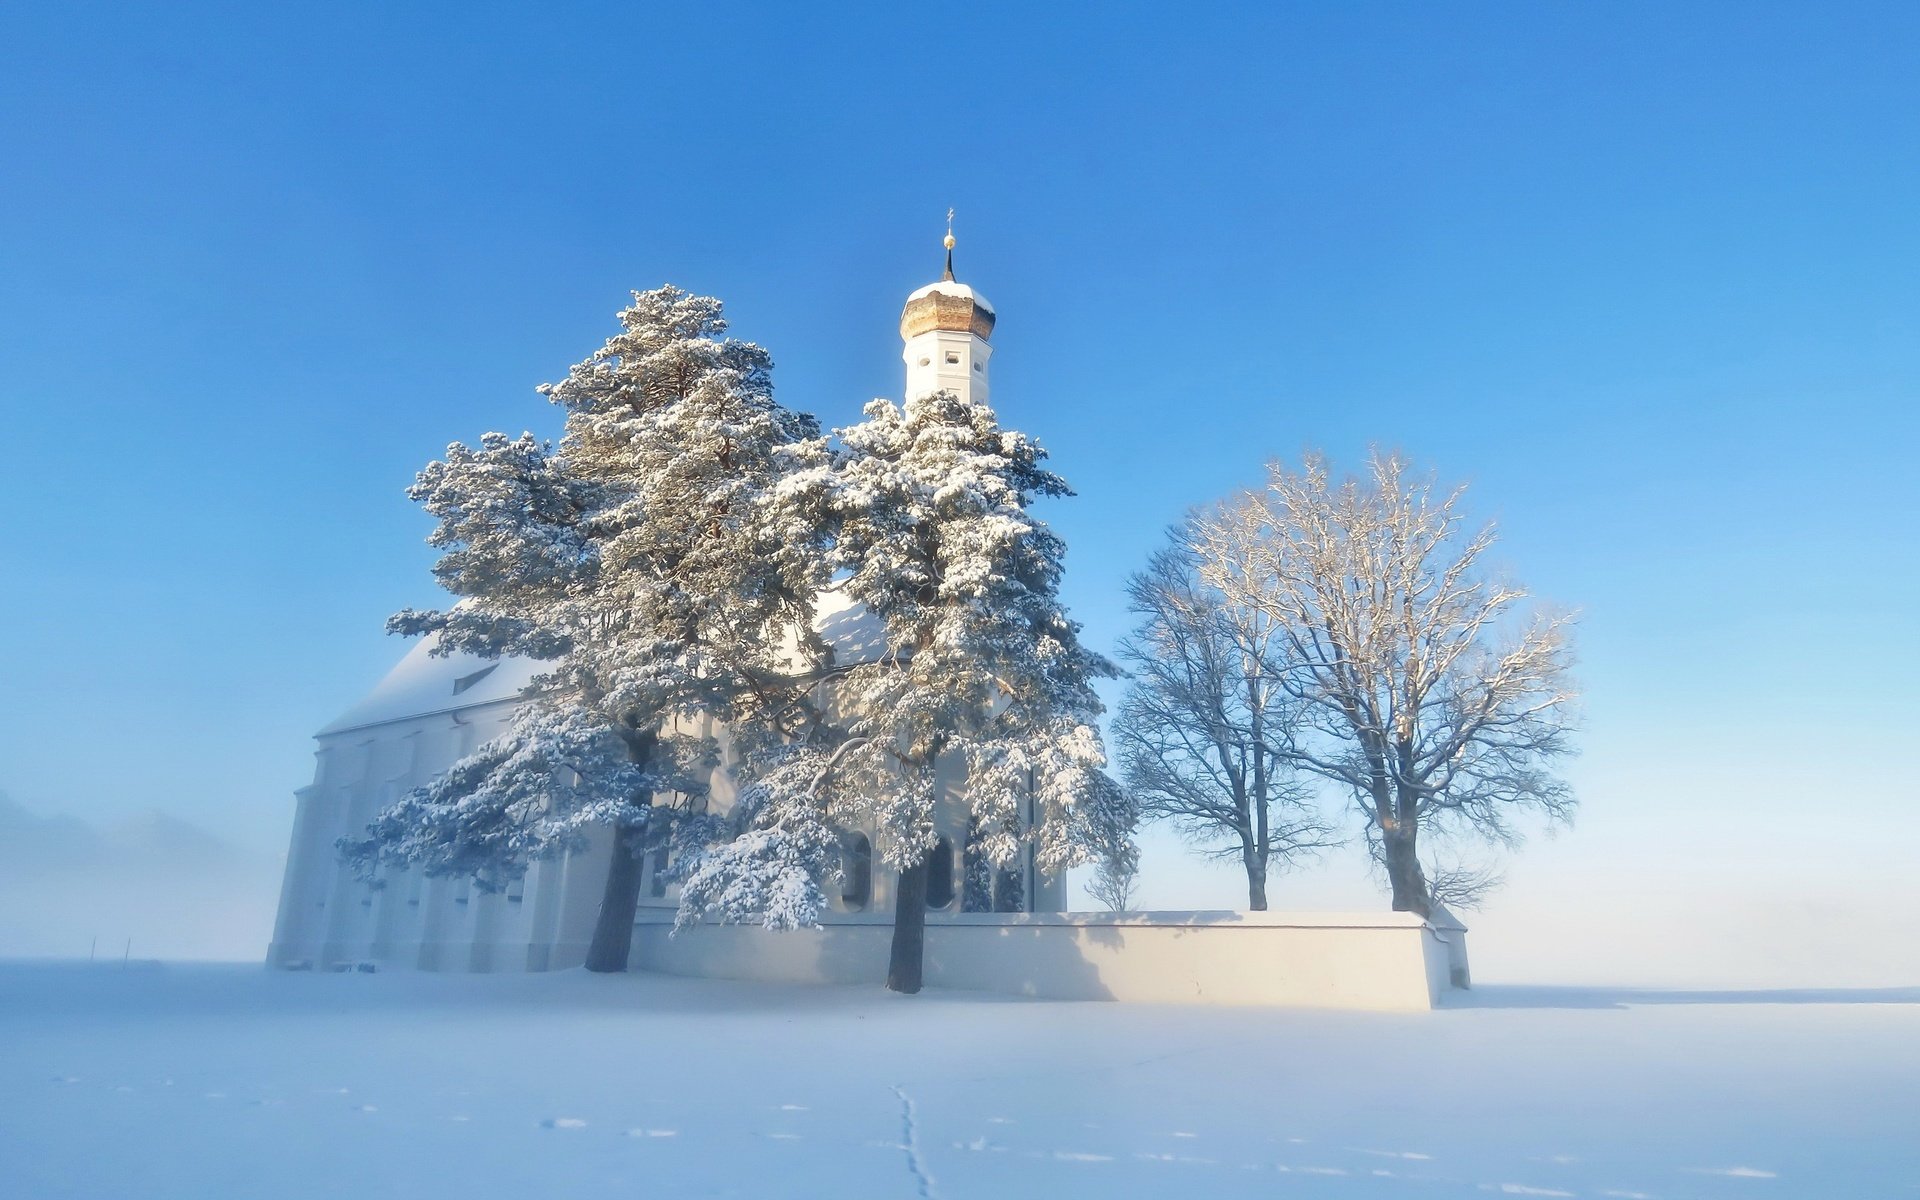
{"x": 947, "y": 305}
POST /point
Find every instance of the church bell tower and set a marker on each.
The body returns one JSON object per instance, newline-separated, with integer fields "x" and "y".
{"x": 945, "y": 326}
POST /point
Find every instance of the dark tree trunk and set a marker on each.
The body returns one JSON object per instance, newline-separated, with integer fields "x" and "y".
{"x": 1256, "y": 881}
{"x": 613, "y": 932}
{"x": 1409, "y": 882}
{"x": 909, "y": 930}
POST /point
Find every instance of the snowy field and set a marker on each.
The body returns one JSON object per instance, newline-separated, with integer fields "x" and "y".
{"x": 209, "y": 1082}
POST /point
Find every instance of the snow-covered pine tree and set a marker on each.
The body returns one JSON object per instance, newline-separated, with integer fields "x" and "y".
{"x": 638, "y": 561}
{"x": 927, "y": 508}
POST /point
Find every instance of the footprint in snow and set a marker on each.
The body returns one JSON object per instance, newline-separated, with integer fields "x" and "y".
{"x": 563, "y": 1123}
{"x": 1408, "y": 1155}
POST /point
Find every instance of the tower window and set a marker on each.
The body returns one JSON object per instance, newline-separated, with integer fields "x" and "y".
{"x": 976, "y": 366}
{"x": 953, "y": 356}
{"x": 926, "y": 362}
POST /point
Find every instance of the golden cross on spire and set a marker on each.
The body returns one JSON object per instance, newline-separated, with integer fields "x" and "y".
{"x": 949, "y": 275}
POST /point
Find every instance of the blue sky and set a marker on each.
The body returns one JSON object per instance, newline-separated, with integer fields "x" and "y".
{"x": 1643, "y": 275}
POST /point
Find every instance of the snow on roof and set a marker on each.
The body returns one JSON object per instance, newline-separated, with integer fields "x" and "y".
{"x": 853, "y": 633}
{"x": 421, "y": 685}
{"x": 948, "y": 287}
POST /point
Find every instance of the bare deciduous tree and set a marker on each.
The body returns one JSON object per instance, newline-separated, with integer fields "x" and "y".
{"x": 1205, "y": 731}
{"x": 1115, "y": 880}
{"x": 1430, "y": 689}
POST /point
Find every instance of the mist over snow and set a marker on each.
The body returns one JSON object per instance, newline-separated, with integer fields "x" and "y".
{"x": 174, "y": 889}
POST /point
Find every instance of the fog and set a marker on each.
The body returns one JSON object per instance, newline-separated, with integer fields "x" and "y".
{"x": 154, "y": 886}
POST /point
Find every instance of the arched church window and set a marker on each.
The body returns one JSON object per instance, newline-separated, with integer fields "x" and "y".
{"x": 856, "y": 872}
{"x": 940, "y": 874}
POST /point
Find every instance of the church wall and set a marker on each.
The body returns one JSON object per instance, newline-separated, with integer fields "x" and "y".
{"x": 944, "y": 360}
{"x": 328, "y": 917}
{"x": 1376, "y": 961}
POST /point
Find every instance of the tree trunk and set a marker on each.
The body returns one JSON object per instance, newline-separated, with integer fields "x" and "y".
{"x": 909, "y": 929}
{"x": 1256, "y": 876}
{"x": 613, "y": 932}
{"x": 1404, "y": 874}
{"x": 1256, "y": 880}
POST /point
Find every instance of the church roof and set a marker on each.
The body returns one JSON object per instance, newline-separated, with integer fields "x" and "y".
{"x": 947, "y": 305}
{"x": 951, "y": 287}
{"x": 848, "y": 628}
{"x": 422, "y": 685}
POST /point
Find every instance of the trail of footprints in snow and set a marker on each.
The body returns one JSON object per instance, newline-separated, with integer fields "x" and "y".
{"x": 982, "y": 1145}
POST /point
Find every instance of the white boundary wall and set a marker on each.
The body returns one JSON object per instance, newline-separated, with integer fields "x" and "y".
{"x": 1386, "y": 961}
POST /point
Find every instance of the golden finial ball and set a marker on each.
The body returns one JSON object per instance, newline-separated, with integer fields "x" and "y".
{"x": 949, "y": 241}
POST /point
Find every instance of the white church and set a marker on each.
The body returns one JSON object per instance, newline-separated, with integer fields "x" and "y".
{"x": 1011, "y": 934}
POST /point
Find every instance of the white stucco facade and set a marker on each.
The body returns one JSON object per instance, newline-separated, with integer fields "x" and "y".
{"x": 948, "y": 360}
{"x": 431, "y": 711}
{"x": 424, "y": 716}
{"x": 1373, "y": 961}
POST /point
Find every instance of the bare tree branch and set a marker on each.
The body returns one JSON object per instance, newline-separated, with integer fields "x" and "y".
{"x": 1423, "y": 684}
{"x": 1205, "y": 732}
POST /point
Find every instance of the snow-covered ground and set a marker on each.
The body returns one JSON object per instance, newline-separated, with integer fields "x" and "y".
{"x": 209, "y": 1082}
